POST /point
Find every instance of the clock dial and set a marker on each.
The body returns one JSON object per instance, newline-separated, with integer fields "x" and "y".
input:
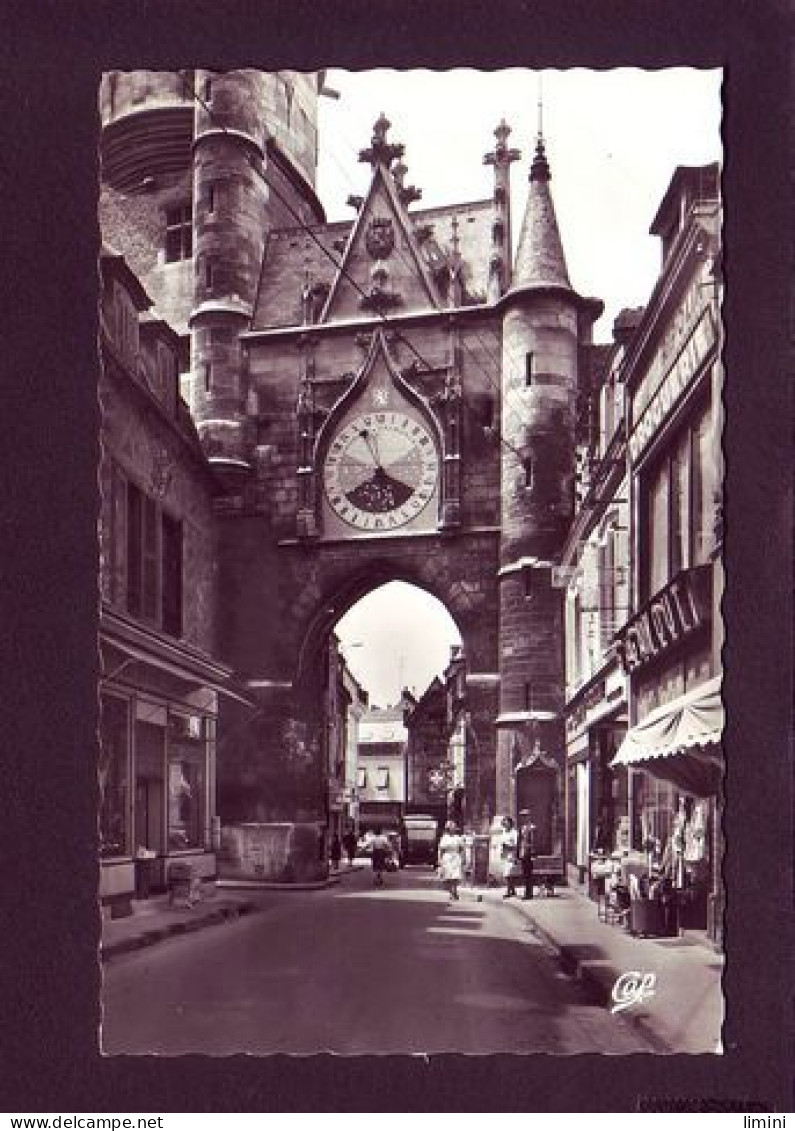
{"x": 381, "y": 470}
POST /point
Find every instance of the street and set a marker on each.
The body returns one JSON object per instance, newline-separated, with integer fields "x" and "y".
{"x": 352, "y": 969}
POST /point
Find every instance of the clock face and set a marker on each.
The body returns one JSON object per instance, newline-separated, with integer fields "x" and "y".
{"x": 380, "y": 471}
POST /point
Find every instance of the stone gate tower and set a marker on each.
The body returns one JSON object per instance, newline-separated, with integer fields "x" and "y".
{"x": 390, "y": 397}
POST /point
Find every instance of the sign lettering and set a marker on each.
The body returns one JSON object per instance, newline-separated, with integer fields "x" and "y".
{"x": 678, "y": 610}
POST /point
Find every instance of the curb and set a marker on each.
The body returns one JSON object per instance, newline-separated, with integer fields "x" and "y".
{"x": 594, "y": 984}
{"x": 179, "y": 927}
{"x": 270, "y": 885}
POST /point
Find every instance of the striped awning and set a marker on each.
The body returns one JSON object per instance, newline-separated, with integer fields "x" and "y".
{"x": 680, "y": 741}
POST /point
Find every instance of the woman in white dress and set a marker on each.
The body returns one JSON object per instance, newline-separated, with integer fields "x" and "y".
{"x": 451, "y": 859}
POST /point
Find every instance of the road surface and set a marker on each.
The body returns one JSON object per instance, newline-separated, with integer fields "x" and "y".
{"x": 352, "y": 970}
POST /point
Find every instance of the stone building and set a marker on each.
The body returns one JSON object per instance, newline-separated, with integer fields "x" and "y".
{"x": 392, "y": 397}
{"x": 644, "y": 573}
{"x": 160, "y": 678}
{"x": 381, "y": 766}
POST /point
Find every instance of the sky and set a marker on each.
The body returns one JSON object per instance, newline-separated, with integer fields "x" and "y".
{"x": 613, "y": 140}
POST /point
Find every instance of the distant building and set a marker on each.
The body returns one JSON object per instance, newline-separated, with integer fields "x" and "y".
{"x": 381, "y": 786}
{"x": 346, "y": 701}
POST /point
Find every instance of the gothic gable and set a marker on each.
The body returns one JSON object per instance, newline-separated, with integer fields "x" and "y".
{"x": 382, "y": 269}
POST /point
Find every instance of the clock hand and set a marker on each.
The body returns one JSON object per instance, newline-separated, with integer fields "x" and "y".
{"x": 369, "y": 440}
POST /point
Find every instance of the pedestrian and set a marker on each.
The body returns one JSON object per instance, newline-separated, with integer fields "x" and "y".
{"x": 451, "y": 859}
{"x": 526, "y": 851}
{"x": 380, "y": 850}
{"x": 509, "y": 846}
{"x": 349, "y": 843}
{"x": 336, "y": 852}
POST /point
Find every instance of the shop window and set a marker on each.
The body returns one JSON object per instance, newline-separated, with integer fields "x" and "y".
{"x": 654, "y": 804}
{"x": 114, "y": 777}
{"x": 150, "y": 737}
{"x": 179, "y": 233}
{"x": 187, "y": 776}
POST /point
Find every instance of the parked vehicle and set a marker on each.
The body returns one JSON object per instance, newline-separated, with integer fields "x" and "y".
{"x": 420, "y": 839}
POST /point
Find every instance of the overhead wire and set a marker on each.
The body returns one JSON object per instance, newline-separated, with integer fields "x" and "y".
{"x": 342, "y": 271}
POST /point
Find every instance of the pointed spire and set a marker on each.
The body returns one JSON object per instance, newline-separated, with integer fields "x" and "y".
{"x": 540, "y": 261}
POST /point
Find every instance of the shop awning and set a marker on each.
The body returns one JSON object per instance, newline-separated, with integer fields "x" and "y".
{"x": 680, "y": 741}
{"x": 191, "y": 671}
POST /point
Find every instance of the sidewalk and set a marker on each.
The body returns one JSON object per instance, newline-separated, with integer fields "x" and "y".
{"x": 156, "y": 919}
{"x": 684, "y": 1014}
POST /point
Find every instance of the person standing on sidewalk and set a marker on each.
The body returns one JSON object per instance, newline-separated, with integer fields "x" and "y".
{"x": 526, "y": 851}
{"x": 451, "y": 859}
{"x": 510, "y": 840}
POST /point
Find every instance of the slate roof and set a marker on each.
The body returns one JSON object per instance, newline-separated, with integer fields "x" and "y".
{"x": 292, "y": 254}
{"x": 540, "y": 261}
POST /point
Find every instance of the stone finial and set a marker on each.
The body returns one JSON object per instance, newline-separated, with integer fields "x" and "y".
{"x": 502, "y": 155}
{"x": 381, "y": 152}
{"x": 539, "y": 170}
{"x": 406, "y": 193}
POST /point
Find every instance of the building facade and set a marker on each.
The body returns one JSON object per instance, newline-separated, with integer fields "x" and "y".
{"x": 399, "y": 396}
{"x": 160, "y": 681}
{"x": 643, "y": 568}
{"x": 381, "y": 768}
{"x": 671, "y": 646}
{"x": 409, "y": 341}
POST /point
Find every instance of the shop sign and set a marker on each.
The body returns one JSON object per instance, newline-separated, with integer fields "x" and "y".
{"x": 675, "y": 382}
{"x": 594, "y": 698}
{"x": 675, "y": 613}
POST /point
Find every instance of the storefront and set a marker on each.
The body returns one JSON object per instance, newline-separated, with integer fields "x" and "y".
{"x": 597, "y": 798}
{"x": 156, "y": 776}
{"x": 670, "y": 648}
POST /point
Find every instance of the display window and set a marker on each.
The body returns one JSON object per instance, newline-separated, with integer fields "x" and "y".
{"x": 187, "y": 782}
{"x": 114, "y": 776}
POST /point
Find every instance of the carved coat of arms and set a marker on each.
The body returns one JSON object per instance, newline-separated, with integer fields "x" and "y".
{"x": 380, "y": 237}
